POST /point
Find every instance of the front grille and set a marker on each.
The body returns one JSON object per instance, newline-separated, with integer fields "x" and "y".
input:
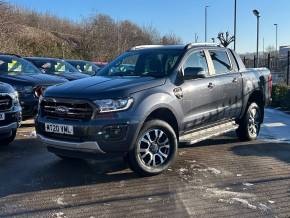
{"x": 5, "y": 102}
{"x": 66, "y": 109}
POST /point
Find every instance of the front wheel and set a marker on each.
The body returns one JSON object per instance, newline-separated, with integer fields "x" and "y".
{"x": 155, "y": 149}
{"x": 251, "y": 123}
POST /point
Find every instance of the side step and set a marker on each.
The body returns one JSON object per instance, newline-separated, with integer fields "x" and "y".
{"x": 210, "y": 132}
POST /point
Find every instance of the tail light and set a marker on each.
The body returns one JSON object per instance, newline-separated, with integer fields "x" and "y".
{"x": 38, "y": 91}
{"x": 270, "y": 84}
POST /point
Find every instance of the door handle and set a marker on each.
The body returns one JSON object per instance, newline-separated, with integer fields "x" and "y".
{"x": 235, "y": 80}
{"x": 210, "y": 85}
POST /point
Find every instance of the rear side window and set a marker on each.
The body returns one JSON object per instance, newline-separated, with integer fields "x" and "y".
{"x": 220, "y": 61}
{"x": 196, "y": 59}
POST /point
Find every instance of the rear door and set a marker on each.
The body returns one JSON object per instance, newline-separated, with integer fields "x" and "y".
{"x": 228, "y": 84}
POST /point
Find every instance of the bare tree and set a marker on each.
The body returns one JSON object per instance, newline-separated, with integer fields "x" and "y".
{"x": 225, "y": 39}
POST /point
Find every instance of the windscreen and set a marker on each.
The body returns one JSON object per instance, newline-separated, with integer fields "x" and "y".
{"x": 15, "y": 66}
{"x": 154, "y": 63}
{"x": 85, "y": 67}
{"x": 54, "y": 66}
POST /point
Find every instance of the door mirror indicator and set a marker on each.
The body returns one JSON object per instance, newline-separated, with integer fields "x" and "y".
{"x": 194, "y": 73}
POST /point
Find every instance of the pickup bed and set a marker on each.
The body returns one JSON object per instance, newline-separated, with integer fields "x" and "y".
{"x": 150, "y": 99}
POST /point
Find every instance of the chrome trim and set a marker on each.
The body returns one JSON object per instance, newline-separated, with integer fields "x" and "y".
{"x": 78, "y": 146}
{"x": 67, "y": 100}
{"x": 8, "y": 127}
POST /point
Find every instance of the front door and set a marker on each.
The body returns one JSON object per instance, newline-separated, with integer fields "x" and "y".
{"x": 199, "y": 103}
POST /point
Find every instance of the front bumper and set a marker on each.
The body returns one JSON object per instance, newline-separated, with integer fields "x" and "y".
{"x": 90, "y": 147}
{"x": 91, "y": 136}
{"x": 12, "y": 121}
{"x": 29, "y": 106}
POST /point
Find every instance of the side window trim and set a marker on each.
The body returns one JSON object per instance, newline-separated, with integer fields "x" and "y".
{"x": 192, "y": 52}
{"x": 211, "y": 69}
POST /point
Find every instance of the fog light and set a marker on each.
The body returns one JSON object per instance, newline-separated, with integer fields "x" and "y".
{"x": 114, "y": 132}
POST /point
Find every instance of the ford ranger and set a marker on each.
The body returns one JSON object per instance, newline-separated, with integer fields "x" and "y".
{"x": 150, "y": 99}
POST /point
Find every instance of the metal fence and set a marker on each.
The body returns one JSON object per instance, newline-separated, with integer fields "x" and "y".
{"x": 279, "y": 66}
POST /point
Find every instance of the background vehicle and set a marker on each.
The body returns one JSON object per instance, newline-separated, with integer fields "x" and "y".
{"x": 100, "y": 64}
{"x": 85, "y": 67}
{"x": 27, "y": 80}
{"x": 10, "y": 113}
{"x": 57, "y": 67}
{"x": 168, "y": 94}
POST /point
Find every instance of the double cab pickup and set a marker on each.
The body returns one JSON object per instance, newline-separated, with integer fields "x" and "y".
{"x": 150, "y": 99}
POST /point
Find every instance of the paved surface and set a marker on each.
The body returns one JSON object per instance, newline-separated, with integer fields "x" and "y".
{"x": 221, "y": 177}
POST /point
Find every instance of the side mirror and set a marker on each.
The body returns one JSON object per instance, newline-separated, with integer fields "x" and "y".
{"x": 194, "y": 73}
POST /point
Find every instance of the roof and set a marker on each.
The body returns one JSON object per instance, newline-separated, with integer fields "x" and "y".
{"x": 175, "y": 47}
{"x": 42, "y": 58}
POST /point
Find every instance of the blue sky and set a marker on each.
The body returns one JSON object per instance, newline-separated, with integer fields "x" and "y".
{"x": 183, "y": 17}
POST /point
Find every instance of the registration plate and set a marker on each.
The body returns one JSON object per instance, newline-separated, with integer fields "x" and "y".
{"x": 2, "y": 116}
{"x": 60, "y": 129}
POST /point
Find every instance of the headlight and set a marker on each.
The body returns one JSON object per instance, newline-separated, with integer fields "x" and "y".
{"x": 14, "y": 97}
{"x": 111, "y": 105}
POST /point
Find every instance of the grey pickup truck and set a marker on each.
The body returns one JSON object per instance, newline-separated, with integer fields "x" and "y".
{"x": 150, "y": 99}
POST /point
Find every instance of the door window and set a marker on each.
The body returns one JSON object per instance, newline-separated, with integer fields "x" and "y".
{"x": 196, "y": 59}
{"x": 221, "y": 61}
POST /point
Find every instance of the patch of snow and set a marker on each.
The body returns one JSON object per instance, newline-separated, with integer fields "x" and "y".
{"x": 60, "y": 201}
{"x": 59, "y": 215}
{"x": 276, "y": 126}
{"x": 74, "y": 195}
{"x": 264, "y": 207}
{"x": 269, "y": 125}
{"x": 183, "y": 170}
{"x": 271, "y": 202}
{"x": 244, "y": 202}
{"x": 149, "y": 199}
{"x": 214, "y": 170}
{"x": 33, "y": 134}
{"x": 239, "y": 175}
{"x": 213, "y": 192}
{"x": 247, "y": 184}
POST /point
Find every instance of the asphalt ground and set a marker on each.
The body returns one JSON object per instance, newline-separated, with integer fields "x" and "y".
{"x": 221, "y": 177}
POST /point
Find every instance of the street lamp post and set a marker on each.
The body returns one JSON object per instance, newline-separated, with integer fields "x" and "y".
{"x": 205, "y": 23}
{"x": 257, "y": 14}
{"x": 235, "y": 24}
{"x": 276, "y": 25}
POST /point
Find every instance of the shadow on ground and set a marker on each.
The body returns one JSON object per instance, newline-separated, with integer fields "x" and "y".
{"x": 278, "y": 151}
{"x": 28, "y": 167}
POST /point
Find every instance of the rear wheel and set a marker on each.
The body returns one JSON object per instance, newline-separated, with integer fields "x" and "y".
{"x": 155, "y": 149}
{"x": 251, "y": 123}
{"x": 8, "y": 140}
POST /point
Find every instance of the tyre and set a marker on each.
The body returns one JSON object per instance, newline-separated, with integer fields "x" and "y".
{"x": 250, "y": 124}
{"x": 155, "y": 149}
{"x": 8, "y": 140}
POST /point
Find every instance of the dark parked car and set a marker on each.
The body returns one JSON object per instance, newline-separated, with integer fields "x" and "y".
{"x": 101, "y": 64}
{"x": 85, "y": 67}
{"x": 168, "y": 94}
{"x": 57, "y": 67}
{"x": 27, "y": 80}
{"x": 10, "y": 113}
